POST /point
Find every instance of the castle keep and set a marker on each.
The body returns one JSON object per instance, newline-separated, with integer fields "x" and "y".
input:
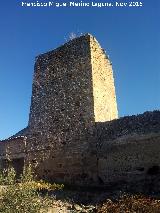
{"x": 74, "y": 134}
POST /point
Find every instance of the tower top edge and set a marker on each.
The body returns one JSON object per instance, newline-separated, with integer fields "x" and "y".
{"x": 85, "y": 37}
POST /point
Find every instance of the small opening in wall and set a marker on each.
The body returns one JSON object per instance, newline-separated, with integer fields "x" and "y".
{"x": 154, "y": 170}
{"x": 56, "y": 119}
{"x": 34, "y": 161}
{"x": 101, "y": 182}
{"x": 141, "y": 169}
{"x": 69, "y": 75}
{"x": 77, "y": 103}
{"x": 83, "y": 175}
{"x": 66, "y": 130}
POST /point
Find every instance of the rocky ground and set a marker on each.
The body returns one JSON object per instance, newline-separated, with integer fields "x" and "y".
{"x": 78, "y": 200}
{"x": 99, "y": 201}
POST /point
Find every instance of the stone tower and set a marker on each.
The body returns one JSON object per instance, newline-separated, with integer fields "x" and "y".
{"x": 73, "y": 88}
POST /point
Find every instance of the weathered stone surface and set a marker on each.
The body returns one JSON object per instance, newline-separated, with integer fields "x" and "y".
{"x": 135, "y": 124}
{"x": 105, "y": 105}
{"x": 10, "y": 148}
{"x": 129, "y": 158}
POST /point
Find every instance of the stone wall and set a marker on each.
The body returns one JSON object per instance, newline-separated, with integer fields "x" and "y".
{"x": 136, "y": 124}
{"x": 12, "y": 148}
{"x": 62, "y": 100}
{"x": 13, "y": 153}
{"x": 62, "y": 116}
{"x": 130, "y": 159}
{"x": 105, "y": 105}
{"x": 128, "y": 148}
{"x": 23, "y": 132}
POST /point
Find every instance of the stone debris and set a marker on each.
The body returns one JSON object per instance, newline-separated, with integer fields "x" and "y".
{"x": 66, "y": 207}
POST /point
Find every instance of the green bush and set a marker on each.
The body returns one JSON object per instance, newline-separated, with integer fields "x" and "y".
{"x": 24, "y": 196}
{"x": 20, "y": 199}
{"x": 27, "y": 175}
{"x": 7, "y": 176}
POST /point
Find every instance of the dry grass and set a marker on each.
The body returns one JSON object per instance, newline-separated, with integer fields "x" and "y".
{"x": 130, "y": 204}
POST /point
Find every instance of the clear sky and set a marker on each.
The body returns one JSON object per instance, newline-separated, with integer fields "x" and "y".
{"x": 130, "y": 36}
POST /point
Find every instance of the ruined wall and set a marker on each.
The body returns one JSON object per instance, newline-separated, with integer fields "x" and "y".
{"x": 136, "y": 124}
{"x": 131, "y": 160}
{"x": 105, "y": 105}
{"x": 13, "y": 153}
{"x": 129, "y": 148}
{"x": 12, "y": 148}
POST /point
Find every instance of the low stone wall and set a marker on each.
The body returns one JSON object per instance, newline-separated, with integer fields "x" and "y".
{"x": 130, "y": 159}
{"x": 13, "y": 147}
{"x": 13, "y": 153}
{"x": 128, "y": 149}
{"x": 136, "y": 124}
{"x": 22, "y": 133}
{"x": 72, "y": 165}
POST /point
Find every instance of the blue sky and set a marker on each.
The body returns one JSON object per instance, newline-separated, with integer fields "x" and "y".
{"x": 131, "y": 37}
